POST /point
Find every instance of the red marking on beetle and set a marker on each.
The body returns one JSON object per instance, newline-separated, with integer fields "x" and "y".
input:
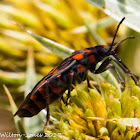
{"x": 30, "y": 109}
{"x": 43, "y": 92}
{"x": 40, "y": 84}
{"x": 106, "y": 47}
{"x": 91, "y": 59}
{"x": 35, "y": 100}
{"x": 52, "y": 70}
{"x": 56, "y": 71}
{"x": 65, "y": 62}
{"x": 56, "y": 90}
{"x": 89, "y": 51}
{"x": 81, "y": 68}
{"x": 78, "y": 56}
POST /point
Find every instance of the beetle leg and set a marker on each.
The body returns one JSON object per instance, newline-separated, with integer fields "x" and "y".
{"x": 63, "y": 99}
{"x": 86, "y": 78}
{"x": 105, "y": 66}
{"x": 69, "y": 88}
{"x": 117, "y": 72}
{"x": 119, "y": 75}
{"x": 88, "y": 83}
{"x": 125, "y": 69}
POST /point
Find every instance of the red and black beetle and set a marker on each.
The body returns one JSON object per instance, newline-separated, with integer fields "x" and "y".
{"x": 72, "y": 69}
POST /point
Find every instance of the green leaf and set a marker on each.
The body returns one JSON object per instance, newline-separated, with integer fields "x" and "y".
{"x": 17, "y": 120}
{"x": 30, "y": 72}
{"x": 53, "y": 46}
{"x": 34, "y": 124}
{"x": 119, "y": 9}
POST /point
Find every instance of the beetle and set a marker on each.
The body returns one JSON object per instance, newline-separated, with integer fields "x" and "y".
{"x": 72, "y": 69}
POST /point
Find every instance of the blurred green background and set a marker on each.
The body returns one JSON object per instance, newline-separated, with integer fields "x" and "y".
{"x": 64, "y": 21}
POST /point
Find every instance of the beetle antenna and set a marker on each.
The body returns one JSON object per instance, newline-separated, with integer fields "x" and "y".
{"x": 114, "y": 47}
{"x": 116, "y": 33}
